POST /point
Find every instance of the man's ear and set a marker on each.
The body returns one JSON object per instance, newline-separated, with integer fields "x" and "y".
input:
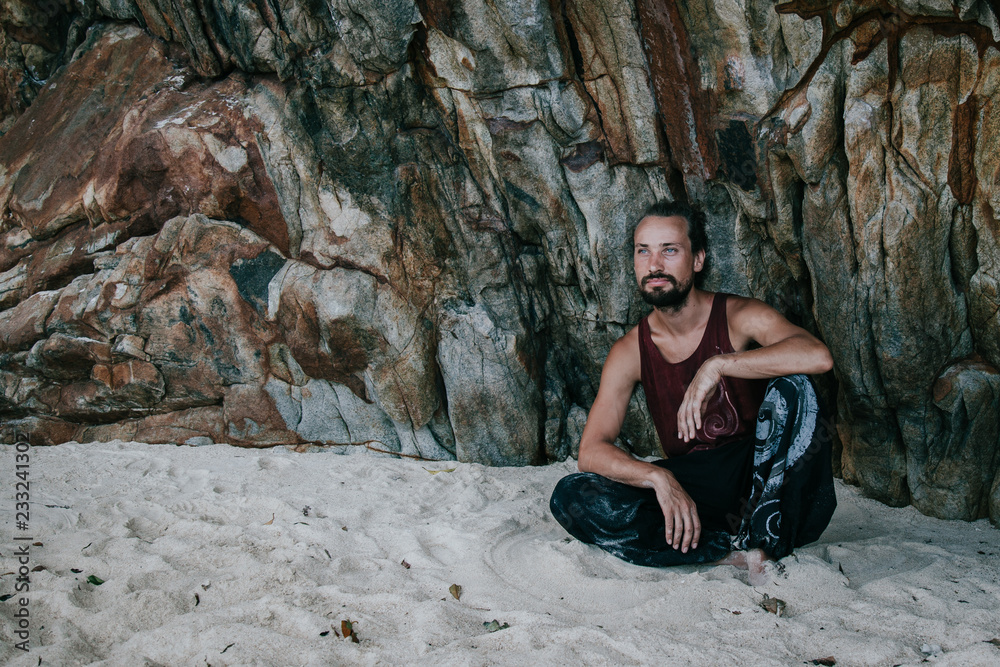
{"x": 699, "y": 261}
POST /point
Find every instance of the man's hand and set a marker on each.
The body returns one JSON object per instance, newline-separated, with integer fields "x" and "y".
{"x": 699, "y": 392}
{"x": 683, "y": 527}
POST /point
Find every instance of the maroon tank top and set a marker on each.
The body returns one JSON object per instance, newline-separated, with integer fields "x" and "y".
{"x": 732, "y": 411}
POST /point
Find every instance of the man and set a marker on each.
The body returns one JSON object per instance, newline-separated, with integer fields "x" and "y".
{"x": 748, "y": 465}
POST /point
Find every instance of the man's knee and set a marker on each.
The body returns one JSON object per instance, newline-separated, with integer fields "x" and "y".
{"x": 800, "y": 415}
{"x": 789, "y": 399}
{"x": 573, "y": 497}
{"x": 791, "y": 409}
{"x": 798, "y": 387}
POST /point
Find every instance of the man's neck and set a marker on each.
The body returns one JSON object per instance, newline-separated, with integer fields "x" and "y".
{"x": 691, "y": 316}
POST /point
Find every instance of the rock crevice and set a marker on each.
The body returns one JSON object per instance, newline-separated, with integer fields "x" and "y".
{"x": 403, "y": 226}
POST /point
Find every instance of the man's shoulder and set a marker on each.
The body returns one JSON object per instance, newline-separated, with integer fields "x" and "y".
{"x": 629, "y": 341}
{"x": 752, "y": 319}
{"x": 740, "y": 306}
{"x": 624, "y": 354}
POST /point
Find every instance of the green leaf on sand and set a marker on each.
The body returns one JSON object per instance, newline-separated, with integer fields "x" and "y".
{"x": 494, "y": 625}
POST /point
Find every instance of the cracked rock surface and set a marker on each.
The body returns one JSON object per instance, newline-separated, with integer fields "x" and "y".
{"x": 404, "y": 225}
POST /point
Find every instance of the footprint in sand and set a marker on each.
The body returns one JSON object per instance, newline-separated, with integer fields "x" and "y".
{"x": 147, "y": 467}
{"x": 57, "y": 518}
{"x": 190, "y": 481}
{"x": 273, "y": 463}
{"x": 82, "y": 596}
{"x": 143, "y": 529}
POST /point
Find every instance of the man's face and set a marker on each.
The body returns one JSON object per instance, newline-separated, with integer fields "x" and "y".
{"x": 664, "y": 263}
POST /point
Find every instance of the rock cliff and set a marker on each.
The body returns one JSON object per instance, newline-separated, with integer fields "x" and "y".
{"x": 404, "y": 224}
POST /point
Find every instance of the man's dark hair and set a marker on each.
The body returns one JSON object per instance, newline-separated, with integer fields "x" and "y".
{"x": 694, "y": 217}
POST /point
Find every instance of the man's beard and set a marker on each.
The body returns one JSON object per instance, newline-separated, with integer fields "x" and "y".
{"x": 673, "y": 298}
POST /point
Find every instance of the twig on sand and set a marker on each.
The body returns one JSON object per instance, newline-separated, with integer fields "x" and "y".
{"x": 367, "y": 444}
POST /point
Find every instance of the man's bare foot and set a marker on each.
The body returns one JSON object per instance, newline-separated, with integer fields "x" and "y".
{"x": 753, "y": 561}
{"x": 735, "y": 558}
{"x": 756, "y": 560}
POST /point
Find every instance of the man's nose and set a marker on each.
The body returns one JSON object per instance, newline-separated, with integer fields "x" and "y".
{"x": 655, "y": 262}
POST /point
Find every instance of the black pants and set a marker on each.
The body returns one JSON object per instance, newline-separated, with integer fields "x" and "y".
{"x": 774, "y": 493}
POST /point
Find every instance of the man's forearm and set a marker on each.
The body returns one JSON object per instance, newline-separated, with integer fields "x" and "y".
{"x": 796, "y": 354}
{"x": 609, "y": 461}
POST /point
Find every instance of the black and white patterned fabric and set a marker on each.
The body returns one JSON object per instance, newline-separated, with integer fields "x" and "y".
{"x": 792, "y": 499}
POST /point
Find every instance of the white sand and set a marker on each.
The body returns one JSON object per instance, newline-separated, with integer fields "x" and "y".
{"x": 191, "y": 566}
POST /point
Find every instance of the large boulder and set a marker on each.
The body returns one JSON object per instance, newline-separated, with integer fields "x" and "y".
{"x": 404, "y": 226}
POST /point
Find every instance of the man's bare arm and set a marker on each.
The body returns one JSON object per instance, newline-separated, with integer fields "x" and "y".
{"x": 598, "y": 453}
{"x": 787, "y": 350}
